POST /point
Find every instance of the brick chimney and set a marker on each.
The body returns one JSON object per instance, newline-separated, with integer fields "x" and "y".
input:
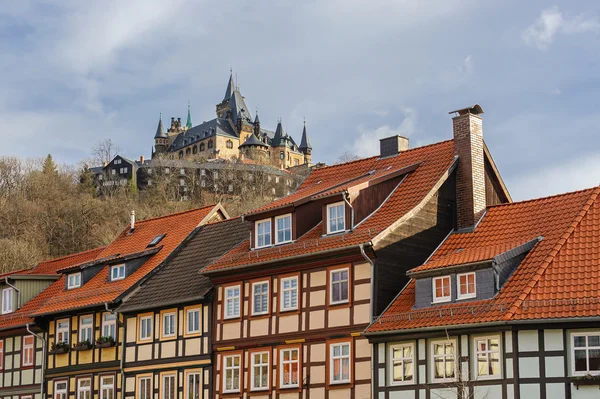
{"x": 470, "y": 174}
{"x": 393, "y": 145}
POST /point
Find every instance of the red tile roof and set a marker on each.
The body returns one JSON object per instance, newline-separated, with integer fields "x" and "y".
{"x": 434, "y": 162}
{"x": 98, "y": 289}
{"x": 559, "y": 277}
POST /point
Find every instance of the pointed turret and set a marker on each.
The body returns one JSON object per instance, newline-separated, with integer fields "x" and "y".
{"x": 188, "y": 124}
{"x": 161, "y": 140}
{"x": 160, "y": 132}
{"x": 256, "y": 120}
{"x": 257, "y": 125}
{"x": 305, "y": 146}
{"x": 230, "y": 88}
{"x": 277, "y": 138}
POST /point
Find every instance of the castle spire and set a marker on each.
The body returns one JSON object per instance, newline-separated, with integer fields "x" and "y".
{"x": 188, "y": 124}
{"x": 256, "y": 120}
{"x": 230, "y": 87}
{"x": 160, "y": 132}
{"x": 305, "y": 142}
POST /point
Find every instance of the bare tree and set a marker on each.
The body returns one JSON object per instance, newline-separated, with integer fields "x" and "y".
{"x": 104, "y": 151}
{"x": 347, "y": 157}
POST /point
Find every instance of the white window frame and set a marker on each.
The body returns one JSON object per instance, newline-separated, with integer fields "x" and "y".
{"x": 277, "y": 218}
{"x": 283, "y": 290}
{"x": 149, "y": 391}
{"x": 28, "y": 348}
{"x": 118, "y": 276}
{"x": 65, "y": 331}
{"x": 164, "y": 324}
{"x": 196, "y": 317}
{"x": 468, "y": 295}
{"x": 402, "y": 360}
{"x": 331, "y": 282}
{"x": 335, "y": 205}
{"x": 341, "y": 358}
{"x": 191, "y": 387}
{"x": 146, "y": 335}
{"x": 260, "y": 365}
{"x": 442, "y": 298}
{"x": 433, "y": 357}
{"x": 87, "y": 389}
{"x": 8, "y": 300}
{"x": 282, "y": 363}
{"x": 90, "y": 328}
{"x": 163, "y": 385}
{"x": 108, "y": 323}
{"x": 487, "y": 352}
{"x": 104, "y": 386}
{"x": 264, "y": 235}
{"x": 62, "y": 393}
{"x": 261, "y": 294}
{"x": 586, "y": 348}
{"x": 233, "y": 368}
{"x": 74, "y": 280}
{"x": 227, "y": 299}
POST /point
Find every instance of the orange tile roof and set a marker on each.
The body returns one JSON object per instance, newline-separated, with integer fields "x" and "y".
{"x": 434, "y": 161}
{"x": 54, "y": 265}
{"x": 559, "y": 277}
{"x": 98, "y": 289}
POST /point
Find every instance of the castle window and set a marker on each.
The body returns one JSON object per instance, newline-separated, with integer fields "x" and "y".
{"x": 202, "y": 147}
{"x": 195, "y": 149}
{"x": 229, "y": 144}
{"x": 188, "y": 151}
{"x": 180, "y": 155}
{"x": 281, "y": 155}
{"x": 296, "y": 162}
{"x": 210, "y": 144}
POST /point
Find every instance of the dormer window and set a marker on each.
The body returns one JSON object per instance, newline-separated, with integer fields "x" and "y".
{"x": 74, "y": 281}
{"x": 283, "y": 229}
{"x": 441, "y": 289}
{"x": 263, "y": 233}
{"x": 336, "y": 218}
{"x": 117, "y": 272}
{"x": 466, "y": 285}
{"x": 7, "y": 301}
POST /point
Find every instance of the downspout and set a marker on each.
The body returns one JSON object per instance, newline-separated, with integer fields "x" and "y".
{"x": 362, "y": 252}
{"x": 346, "y": 197}
{"x": 16, "y": 289}
{"x": 43, "y": 357}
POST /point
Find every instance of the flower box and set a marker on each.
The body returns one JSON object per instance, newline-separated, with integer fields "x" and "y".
{"x": 105, "y": 342}
{"x": 59, "y": 349}
{"x": 82, "y": 346}
{"x": 586, "y": 380}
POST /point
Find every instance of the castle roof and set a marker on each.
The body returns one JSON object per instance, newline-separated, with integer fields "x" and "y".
{"x": 252, "y": 140}
{"x": 188, "y": 124}
{"x": 160, "y": 132}
{"x": 213, "y": 127}
{"x": 238, "y": 108}
{"x": 304, "y": 143}
{"x": 230, "y": 88}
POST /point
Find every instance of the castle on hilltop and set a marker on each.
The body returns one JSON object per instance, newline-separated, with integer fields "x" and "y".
{"x": 233, "y": 134}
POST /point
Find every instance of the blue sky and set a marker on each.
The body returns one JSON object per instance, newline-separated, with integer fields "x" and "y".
{"x": 76, "y": 72}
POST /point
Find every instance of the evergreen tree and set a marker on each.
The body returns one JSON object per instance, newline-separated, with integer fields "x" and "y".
{"x": 49, "y": 167}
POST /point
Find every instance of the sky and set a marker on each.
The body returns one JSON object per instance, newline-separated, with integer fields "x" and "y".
{"x": 77, "y": 72}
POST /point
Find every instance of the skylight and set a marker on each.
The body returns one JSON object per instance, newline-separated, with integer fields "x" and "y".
{"x": 156, "y": 240}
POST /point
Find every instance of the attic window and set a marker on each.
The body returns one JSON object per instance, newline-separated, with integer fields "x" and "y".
{"x": 74, "y": 280}
{"x": 156, "y": 240}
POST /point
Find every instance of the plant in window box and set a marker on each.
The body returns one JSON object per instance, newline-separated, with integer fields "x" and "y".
{"x": 83, "y": 345}
{"x": 59, "y": 347}
{"x": 105, "y": 342}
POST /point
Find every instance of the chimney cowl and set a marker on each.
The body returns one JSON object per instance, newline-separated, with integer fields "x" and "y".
{"x": 392, "y": 146}
{"x": 132, "y": 220}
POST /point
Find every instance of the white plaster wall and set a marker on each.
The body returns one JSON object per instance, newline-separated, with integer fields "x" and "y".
{"x": 528, "y": 341}
{"x": 530, "y": 391}
{"x": 403, "y": 395}
{"x": 488, "y": 392}
{"x": 529, "y": 367}
{"x": 553, "y": 340}
{"x": 555, "y": 366}
{"x": 449, "y": 393}
{"x": 555, "y": 391}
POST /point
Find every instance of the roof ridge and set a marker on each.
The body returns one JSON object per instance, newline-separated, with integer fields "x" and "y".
{"x": 555, "y": 250}
{"x": 175, "y": 214}
{"x": 543, "y": 198}
{"x": 223, "y": 221}
{"x": 68, "y": 256}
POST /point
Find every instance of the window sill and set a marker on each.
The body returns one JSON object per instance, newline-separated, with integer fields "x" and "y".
{"x": 438, "y": 301}
{"x": 340, "y": 385}
{"x": 402, "y": 383}
{"x": 462, "y": 298}
{"x": 289, "y": 311}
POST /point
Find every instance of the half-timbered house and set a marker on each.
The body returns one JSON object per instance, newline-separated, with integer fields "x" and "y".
{"x": 22, "y": 350}
{"x": 291, "y": 302}
{"x": 168, "y": 320}
{"x": 85, "y": 333}
{"x": 509, "y": 309}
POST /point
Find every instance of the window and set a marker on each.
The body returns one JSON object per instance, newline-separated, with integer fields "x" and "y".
{"x": 232, "y": 302}
{"x": 182, "y": 182}
{"x": 146, "y": 327}
{"x": 259, "y": 371}
{"x": 231, "y": 370}
{"x": 7, "y": 301}
{"x": 156, "y": 240}
{"x": 230, "y": 188}
{"x": 28, "y": 350}
{"x": 113, "y": 171}
{"x": 586, "y": 353}
{"x": 296, "y": 162}
{"x": 168, "y": 386}
{"x": 466, "y": 285}
{"x": 260, "y": 298}
{"x": 74, "y": 280}
{"x": 283, "y": 226}
{"x": 441, "y": 289}
{"x": 444, "y": 367}
{"x": 263, "y": 233}
{"x": 62, "y": 331}
{"x": 290, "y": 368}
{"x": 168, "y": 324}
{"x": 281, "y": 155}
{"x": 86, "y": 324}
{"x": 229, "y": 144}
{"x": 487, "y": 353}
{"x": 339, "y": 286}
{"x": 1, "y": 354}
{"x": 210, "y": 144}
{"x": 167, "y": 170}
{"x": 145, "y": 388}
{"x": 109, "y": 325}
{"x": 336, "y": 218}
{"x": 339, "y": 366}
{"x": 289, "y": 293}
{"x": 107, "y": 387}
{"x": 194, "y": 386}
{"x": 117, "y": 272}
{"x": 60, "y": 390}
{"x": 193, "y": 321}
{"x": 202, "y": 147}
{"x": 402, "y": 364}
{"x": 84, "y": 388}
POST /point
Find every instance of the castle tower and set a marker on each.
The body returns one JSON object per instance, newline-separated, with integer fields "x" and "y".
{"x": 253, "y": 148}
{"x": 224, "y": 108}
{"x": 305, "y": 146}
{"x": 161, "y": 140}
{"x": 257, "y": 125}
{"x": 188, "y": 124}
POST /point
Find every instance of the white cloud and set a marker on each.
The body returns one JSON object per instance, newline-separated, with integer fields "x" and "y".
{"x": 367, "y": 143}
{"x": 551, "y": 23}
